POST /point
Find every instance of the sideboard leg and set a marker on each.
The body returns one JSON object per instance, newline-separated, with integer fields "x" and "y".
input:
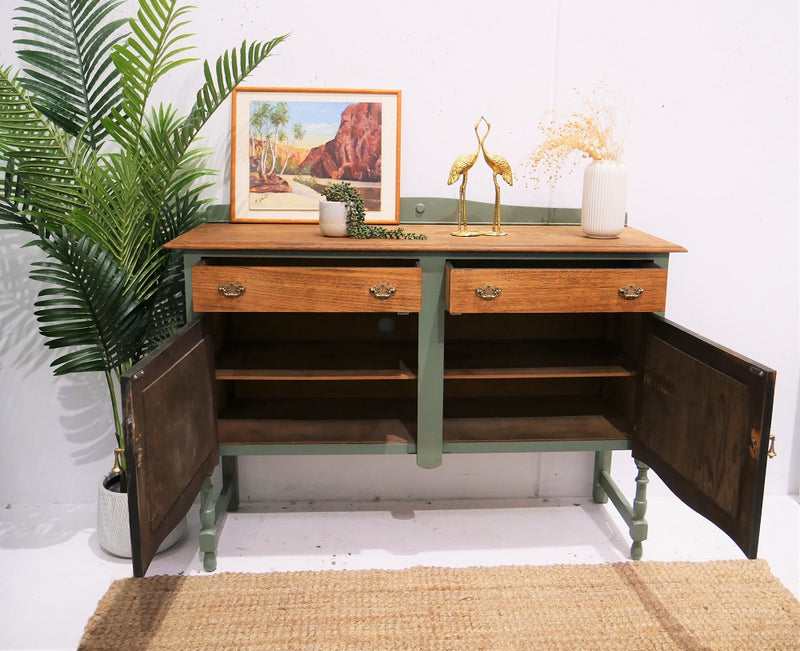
{"x": 632, "y": 514}
{"x": 208, "y": 530}
{"x": 638, "y": 526}
{"x": 602, "y": 463}
{"x": 430, "y": 364}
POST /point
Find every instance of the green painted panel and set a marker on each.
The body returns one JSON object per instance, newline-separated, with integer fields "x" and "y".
{"x": 435, "y": 210}
{"x": 440, "y": 210}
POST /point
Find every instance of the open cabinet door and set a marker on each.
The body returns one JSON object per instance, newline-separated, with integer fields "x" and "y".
{"x": 170, "y": 437}
{"x": 703, "y": 427}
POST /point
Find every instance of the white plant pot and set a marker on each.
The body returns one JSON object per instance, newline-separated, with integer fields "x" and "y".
{"x": 333, "y": 218}
{"x": 605, "y": 193}
{"x": 113, "y": 524}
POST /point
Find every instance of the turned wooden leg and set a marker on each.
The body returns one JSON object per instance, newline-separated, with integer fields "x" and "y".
{"x": 638, "y": 527}
{"x": 208, "y": 532}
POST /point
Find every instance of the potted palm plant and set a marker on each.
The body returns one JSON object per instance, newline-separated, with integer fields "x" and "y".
{"x": 99, "y": 179}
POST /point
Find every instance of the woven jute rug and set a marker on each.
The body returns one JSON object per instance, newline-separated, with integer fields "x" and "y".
{"x": 630, "y": 606}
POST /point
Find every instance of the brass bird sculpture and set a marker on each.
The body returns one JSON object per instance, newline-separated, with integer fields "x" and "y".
{"x": 461, "y": 168}
{"x": 499, "y": 166}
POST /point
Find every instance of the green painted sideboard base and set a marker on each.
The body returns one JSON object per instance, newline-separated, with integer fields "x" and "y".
{"x": 591, "y": 350}
{"x": 212, "y": 512}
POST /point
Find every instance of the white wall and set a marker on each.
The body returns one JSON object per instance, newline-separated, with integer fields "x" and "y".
{"x": 711, "y": 92}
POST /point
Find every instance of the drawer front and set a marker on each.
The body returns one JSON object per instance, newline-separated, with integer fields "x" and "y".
{"x": 305, "y": 289}
{"x": 556, "y": 290}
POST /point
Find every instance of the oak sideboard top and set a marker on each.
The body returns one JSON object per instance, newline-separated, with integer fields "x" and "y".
{"x": 223, "y": 236}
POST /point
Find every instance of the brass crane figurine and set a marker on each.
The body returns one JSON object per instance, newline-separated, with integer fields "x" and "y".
{"x": 499, "y": 166}
{"x": 461, "y": 168}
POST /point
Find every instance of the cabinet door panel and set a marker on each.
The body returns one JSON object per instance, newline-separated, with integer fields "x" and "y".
{"x": 703, "y": 426}
{"x": 170, "y": 437}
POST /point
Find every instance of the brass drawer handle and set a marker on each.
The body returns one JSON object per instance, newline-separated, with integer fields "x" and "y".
{"x": 631, "y": 292}
{"x": 231, "y": 290}
{"x": 382, "y": 291}
{"x": 487, "y": 292}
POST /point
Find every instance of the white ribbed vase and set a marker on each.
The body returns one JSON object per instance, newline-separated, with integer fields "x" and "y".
{"x": 605, "y": 193}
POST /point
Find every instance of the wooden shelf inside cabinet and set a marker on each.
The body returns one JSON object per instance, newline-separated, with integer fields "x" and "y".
{"x": 322, "y": 421}
{"x": 589, "y": 427}
{"x": 319, "y": 432}
{"x": 478, "y": 359}
{"x": 316, "y": 360}
{"x": 521, "y": 419}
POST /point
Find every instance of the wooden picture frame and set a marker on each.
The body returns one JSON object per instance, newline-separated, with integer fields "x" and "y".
{"x": 288, "y": 143}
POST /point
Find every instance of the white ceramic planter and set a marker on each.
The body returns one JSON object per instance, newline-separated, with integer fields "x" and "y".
{"x": 333, "y": 218}
{"x": 113, "y": 524}
{"x": 605, "y": 193}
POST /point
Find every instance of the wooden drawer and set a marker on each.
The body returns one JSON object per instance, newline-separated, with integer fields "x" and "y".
{"x": 305, "y": 288}
{"x": 472, "y": 289}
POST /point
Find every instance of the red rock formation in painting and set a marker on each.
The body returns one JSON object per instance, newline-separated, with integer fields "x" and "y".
{"x": 355, "y": 152}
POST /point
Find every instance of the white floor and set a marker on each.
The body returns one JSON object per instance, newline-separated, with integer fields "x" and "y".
{"x": 52, "y": 572}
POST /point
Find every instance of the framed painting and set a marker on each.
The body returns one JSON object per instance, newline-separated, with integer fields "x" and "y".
{"x": 289, "y": 143}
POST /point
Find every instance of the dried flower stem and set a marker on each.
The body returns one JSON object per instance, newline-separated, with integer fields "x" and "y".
{"x": 591, "y": 133}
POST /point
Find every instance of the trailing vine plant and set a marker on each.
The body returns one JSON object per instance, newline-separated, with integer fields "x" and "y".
{"x": 351, "y": 197}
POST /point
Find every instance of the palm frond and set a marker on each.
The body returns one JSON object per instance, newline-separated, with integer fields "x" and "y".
{"x": 119, "y": 202}
{"x": 153, "y": 49}
{"x": 68, "y": 70}
{"x": 86, "y": 306}
{"x": 230, "y": 70}
{"x": 167, "y": 305}
{"x": 40, "y": 157}
{"x": 171, "y": 143}
{"x": 176, "y": 169}
{"x": 12, "y": 206}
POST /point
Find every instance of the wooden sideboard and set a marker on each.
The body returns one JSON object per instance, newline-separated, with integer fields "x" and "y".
{"x": 543, "y": 340}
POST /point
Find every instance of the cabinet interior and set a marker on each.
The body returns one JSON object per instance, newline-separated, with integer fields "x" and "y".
{"x": 295, "y": 378}
{"x": 316, "y": 378}
{"x": 540, "y": 377}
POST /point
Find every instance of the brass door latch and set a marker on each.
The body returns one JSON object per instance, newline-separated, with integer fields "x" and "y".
{"x": 754, "y": 446}
{"x": 771, "y": 452}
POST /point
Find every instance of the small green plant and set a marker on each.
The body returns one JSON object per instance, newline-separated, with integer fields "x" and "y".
{"x": 349, "y": 195}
